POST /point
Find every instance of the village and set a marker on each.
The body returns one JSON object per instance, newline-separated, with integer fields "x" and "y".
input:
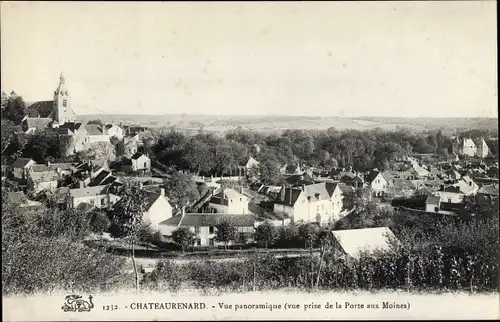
{"x": 229, "y": 208}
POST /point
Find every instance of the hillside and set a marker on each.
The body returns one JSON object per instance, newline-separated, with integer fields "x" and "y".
{"x": 224, "y": 123}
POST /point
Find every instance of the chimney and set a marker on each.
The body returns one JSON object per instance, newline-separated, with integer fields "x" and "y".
{"x": 290, "y": 195}
{"x": 162, "y": 192}
{"x": 82, "y": 184}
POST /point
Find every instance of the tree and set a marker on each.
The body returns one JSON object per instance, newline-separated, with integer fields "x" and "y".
{"x": 98, "y": 122}
{"x": 127, "y": 218}
{"x": 15, "y": 108}
{"x": 181, "y": 190}
{"x": 99, "y": 222}
{"x": 266, "y": 234}
{"x": 253, "y": 172}
{"x": 225, "y": 233}
{"x": 308, "y": 233}
{"x": 269, "y": 172}
{"x": 183, "y": 237}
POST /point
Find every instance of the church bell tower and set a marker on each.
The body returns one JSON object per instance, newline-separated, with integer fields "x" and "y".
{"x": 63, "y": 113}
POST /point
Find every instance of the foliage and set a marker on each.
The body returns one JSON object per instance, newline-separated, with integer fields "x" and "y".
{"x": 13, "y": 107}
{"x": 47, "y": 243}
{"x": 266, "y": 234}
{"x": 98, "y": 122}
{"x": 181, "y": 190}
{"x": 269, "y": 172}
{"x": 226, "y": 232}
{"x": 183, "y": 237}
{"x": 127, "y": 213}
{"x": 99, "y": 222}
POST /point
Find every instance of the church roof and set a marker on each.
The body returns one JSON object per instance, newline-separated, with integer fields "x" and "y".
{"x": 41, "y": 109}
{"x": 37, "y": 122}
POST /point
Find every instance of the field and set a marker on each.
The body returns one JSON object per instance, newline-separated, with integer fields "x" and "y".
{"x": 270, "y": 123}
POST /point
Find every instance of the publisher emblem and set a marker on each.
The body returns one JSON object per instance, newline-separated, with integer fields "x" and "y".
{"x": 75, "y": 303}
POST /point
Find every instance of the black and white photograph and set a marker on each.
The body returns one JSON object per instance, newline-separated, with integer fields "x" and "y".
{"x": 249, "y": 160}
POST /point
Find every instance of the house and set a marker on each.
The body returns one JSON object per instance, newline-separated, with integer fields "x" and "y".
{"x": 204, "y": 226}
{"x": 467, "y": 186}
{"x": 318, "y": 202}
{"x": 400, "y": 188}
{"x": 275, "y": 219}
{"x": 229, "y": 201}
{"x": 488, "y": 191}
{"x": 290, "y": 169}
{"x": 482, "y": 150}
{"x": 250, "y": 165}
{"x": 295, "y": 180}
{"x": 432, "y": 203}
{"x": 80, "y": 137}
{"x": 130, "y": 147}
{"x": 20, "y": 168}
{"x": 352, "y": 179}
{"x": 113, "y": 130}
{"x": 140, "y": 162}
{"x": 43, "y": 180}
{"x": 292, "y": 202}
{"x": 157, "y": 209}
{"x": 97, "y": 133}
{"x": 450, "y": 195}
{"x": 98, "y": 196}
{"x": 351, "y": 243}
{"x": 62, "y": 169}
{"x": 20, "y": 200}
{"x": 31, "y": 125}
{"x": 379, "y": 182}
{"x": 468, "y": 147}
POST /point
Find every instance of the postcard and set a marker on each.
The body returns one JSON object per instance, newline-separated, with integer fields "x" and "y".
{"x": 249, "y": 160}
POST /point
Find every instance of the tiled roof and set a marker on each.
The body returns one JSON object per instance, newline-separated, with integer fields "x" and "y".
{"x": 136, "y": 156}
{"x": 44, "y": 176}
{"x": 97, "y": 180}
{"x": 62, "y": 131}
{"x": 210, "y": 220}
{"x": 94, "y": 129}
{"x": 489, "y": 190}
{"x": 73, "y": 127}
{"x": 433, "y": 200}
{"x": 40, "y": 109}
{"x": 89, "y": 191}
{"x": 317, "y": 191}
{"x": 345, "y": 188}
{"x": 290, "y": 196}
{"x": 38, "y": 123}
{"x": 21, "y": 162}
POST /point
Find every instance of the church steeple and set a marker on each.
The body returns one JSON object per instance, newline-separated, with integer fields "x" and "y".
{"x": 63, "y": 113}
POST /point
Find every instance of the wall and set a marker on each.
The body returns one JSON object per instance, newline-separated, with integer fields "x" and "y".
{"x": 445, "y": 196}
{"x": 139, "y": 163}
{"x": 161, "y": 210}
{"x": 98, "y": 138}
{"x": 379, "y": 184}
{"x": 93, "y": 200}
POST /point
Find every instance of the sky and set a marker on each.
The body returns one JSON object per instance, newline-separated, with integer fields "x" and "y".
{"x": 397, "y": 59}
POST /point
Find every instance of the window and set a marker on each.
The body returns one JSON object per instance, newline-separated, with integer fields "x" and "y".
{"x": 103, "y": 201}
{"x": 211, "y": 241}
{"x": 65, "y": 103}
{"x": 211, "y": 230}
{"x": 449, "y": 200}
{"x": 196, "y": 230}
{"x": 91, "y": 201}
{"x": 198, "y": 242}
{"x": 145, "y": 164}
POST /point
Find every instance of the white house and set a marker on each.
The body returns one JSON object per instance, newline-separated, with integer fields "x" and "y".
{"x": 432, "y": 203}
{"x": 114, "y": 130}
{"x": 467, "y": 186}
{"x": 468, "y": 147}
{"x": 97, "y": 196}
{"x": 379, "y": 182}
{"x": 204, "y": 226}
{"x": 96, "y": 133}
{"x": 20, "y": 168}
{"x": 43, "y": 180}
{"x": 158, "y": 208}
{"x": 482, "y": 148}
{"x": 140, "y": 162}
{"x": 229, "y": 201}
{"x": 450, "y": 197}
{"x": 293, "y": 203}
